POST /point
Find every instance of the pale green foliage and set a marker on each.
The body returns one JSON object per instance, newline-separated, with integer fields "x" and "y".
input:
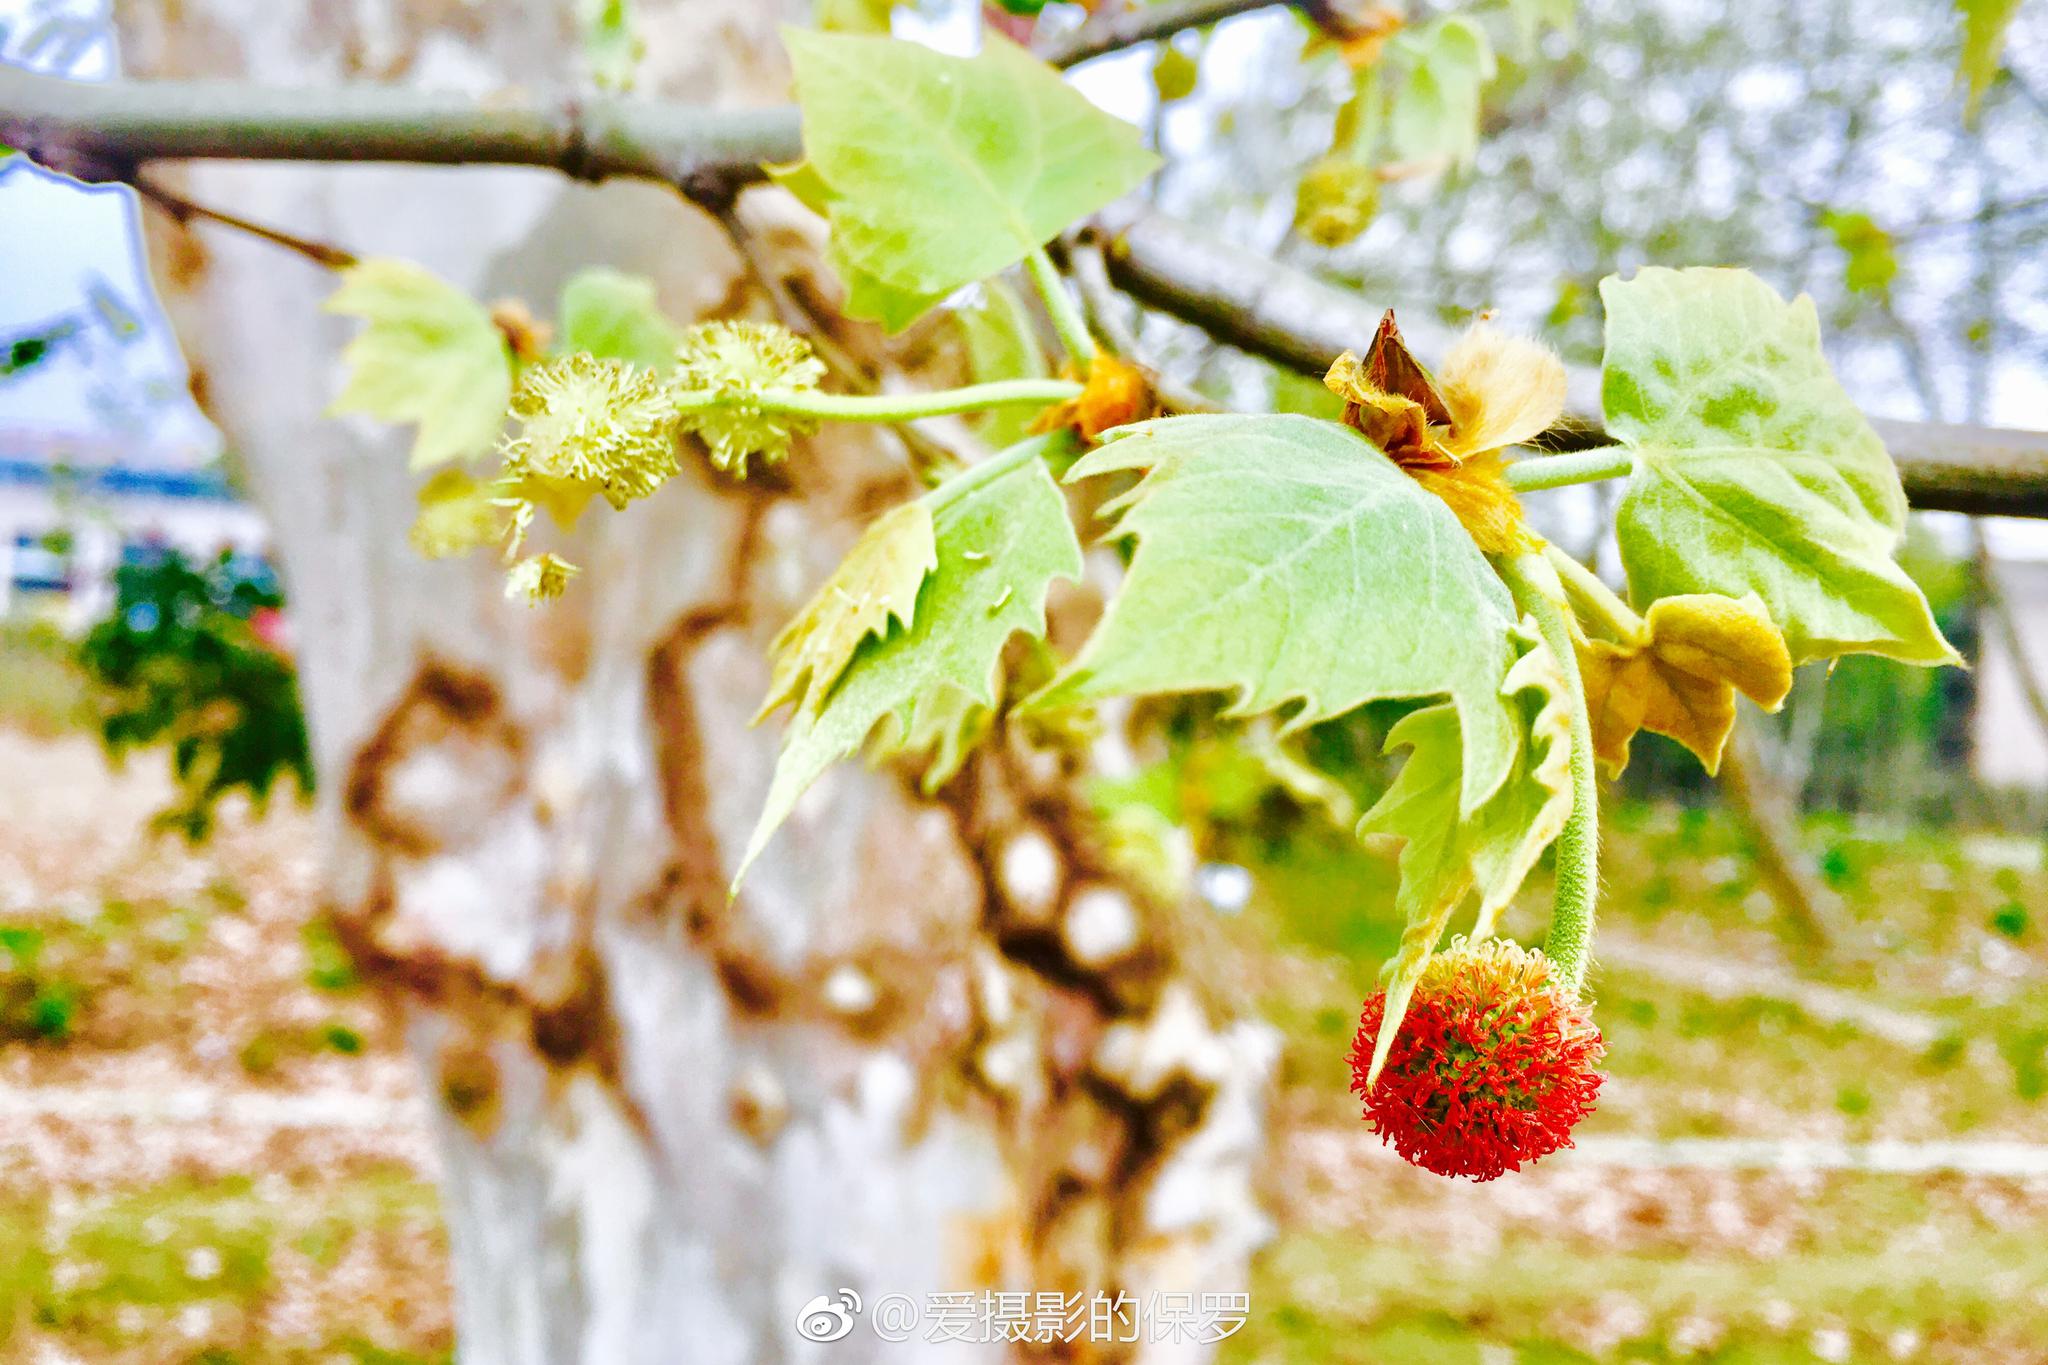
{"x": 1984, "y": 26}
{"x": 457, "y": 514}
{"x": 1436, "y": 114}
{"x": 1754, "y": 473}
{"x": 1176, "y": 72}
{"x": 1492, "y": 850}
{"x": 853, "y": 16}
{"x": 1286, "y": 561}
{"x": 1002, "y": 343}
{"x": 1532, "y": 17}
{"x": 612, "y": 45}
{"x": 1002, "y": 536}
{"x": 539, "y": 578}
{"x": 875, "y": 584}
{"x": 1872, "y": 255}
{"x": 429, "y": 354}
{"x": 737, "y": 360}
{"x": 939, "y": 171}
{"x": 614, "y": 316}
{"x": 603, "y": 425}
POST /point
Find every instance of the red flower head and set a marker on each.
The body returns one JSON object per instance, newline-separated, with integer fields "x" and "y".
{"x": 1492, "y": 1066}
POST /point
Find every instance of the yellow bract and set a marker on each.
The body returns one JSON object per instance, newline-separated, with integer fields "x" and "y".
{"x": 457, "y": 514}
{"x": 1117, "y": 394}
{"x": 1680, "y": 678}
{"x": 1495, "y": 391}
{"x": 1502, "y": 390}
{"x": 539, "y": 578}
{"x": 877, "y": 582}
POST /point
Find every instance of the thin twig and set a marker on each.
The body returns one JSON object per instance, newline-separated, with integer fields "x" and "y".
{"x": 929, "y": 459}
{"x": 1115, "y": 30}
{"x": 183, "y": 211}
{"x": 1103, "y": 304}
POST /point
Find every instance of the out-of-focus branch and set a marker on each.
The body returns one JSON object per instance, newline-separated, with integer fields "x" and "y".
{"x": 107, "y": 131}
{"x": 1296, "y": 320}
{"x": 103, "y": 131}
{"x": 1115, "y": 30}
{"x": 184, "y": 211}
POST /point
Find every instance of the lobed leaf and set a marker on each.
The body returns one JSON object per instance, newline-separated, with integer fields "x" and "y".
{"x": 1002, "y": 343}
{"x": 930, "y": 685}
{"x": 1445, "y": 853}
{"x": 876, "y": 583}
{"x": 430, "y": 354}
{"x": 1436, "y": 114}
{"x": 1681, "y": 678}
{"x": 1287, "y": 561}
{"x": 614, "y": 316}
{"x": 1984, "y": 26}
{"x": 937, "y": 171}
{"x": 1754, "y": 473}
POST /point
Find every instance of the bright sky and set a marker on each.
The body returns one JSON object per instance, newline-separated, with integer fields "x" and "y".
{"x": 73, "y": 272}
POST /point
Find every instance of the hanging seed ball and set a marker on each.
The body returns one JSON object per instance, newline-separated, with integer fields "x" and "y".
{"x": 1493, "y": 1065}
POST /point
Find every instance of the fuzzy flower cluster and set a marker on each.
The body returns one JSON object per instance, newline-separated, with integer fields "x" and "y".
{"x": 736, "y": 361}
{"x": 1493, "y": 1065}
{"x": 586, "y": 427}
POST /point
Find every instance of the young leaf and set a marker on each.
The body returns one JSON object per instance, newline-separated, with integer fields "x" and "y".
{"x": 1001, "y": 541}
{"x": 1681, "y": 678}
{"x": 938, "y": 171}
{"x": 1532, "y": 17}
{"x": 1872, "y": 254}
{"x": 853, "y": 16}
{"x": 1001, "y": 344}
{"x": 1436, "y": 115}
{"x": 1446, "y": 854}
{"x": 1984, "y": 26}
{"x": 614, "y": 316}
{"x": 1754, "y": 473}
{"x": 430, "y": 355}
{"x": 1287, "y": 561}
{"x": 612, "y": 44}
{"x": 875, "y": 584}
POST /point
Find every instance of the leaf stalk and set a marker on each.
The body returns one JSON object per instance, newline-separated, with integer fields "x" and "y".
{"x": 1569, "y": 946}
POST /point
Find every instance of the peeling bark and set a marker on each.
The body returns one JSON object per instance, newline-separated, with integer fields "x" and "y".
{"x": 932, "y": 1046}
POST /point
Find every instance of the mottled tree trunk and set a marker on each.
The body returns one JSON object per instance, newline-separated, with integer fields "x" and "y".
{"x": 932, "y": 1047}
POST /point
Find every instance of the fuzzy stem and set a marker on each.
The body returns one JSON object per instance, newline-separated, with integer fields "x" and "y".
{"x": 1066, "y": 315}
{"x": 885, "y": 407}
{"x": 1569, "y": 946}
{"x": 1581, "y": 466}
{"x": 1594, "y": 598}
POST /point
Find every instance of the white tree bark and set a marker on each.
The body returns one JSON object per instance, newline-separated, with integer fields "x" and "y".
{"x": 932, "y": 1047}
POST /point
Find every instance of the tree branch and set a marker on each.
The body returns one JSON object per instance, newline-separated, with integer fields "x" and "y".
{"x": 183, "y": 211}
{"x": 1298, "y": 321}
{"x": 1112, "y": 31}
{"x": 102, "y": 131}
{"x": 108, "y": 131}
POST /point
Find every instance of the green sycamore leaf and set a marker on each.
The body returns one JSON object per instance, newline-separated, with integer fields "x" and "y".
{"x": 1436, "y": 114}
{"x": 1532, "y": 17}
{"x": 1872, "y": 253}
{"x": 430, "y": 354}
{"x": 1286, "y": 560}
{"x": 853, "y": 16}
{"x": 1984, "y": 26}
{"x": 614, "y": 316}
{"x": 612, "y": 45}
{"x": 1002, "y": 537}
{"x": 1754, "y": 473}
{"x": 1002, "y": 343}
{"x": 875, "y": 584}
{"x": 938, "y": 171}
{"x": 1445, "y": 856}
